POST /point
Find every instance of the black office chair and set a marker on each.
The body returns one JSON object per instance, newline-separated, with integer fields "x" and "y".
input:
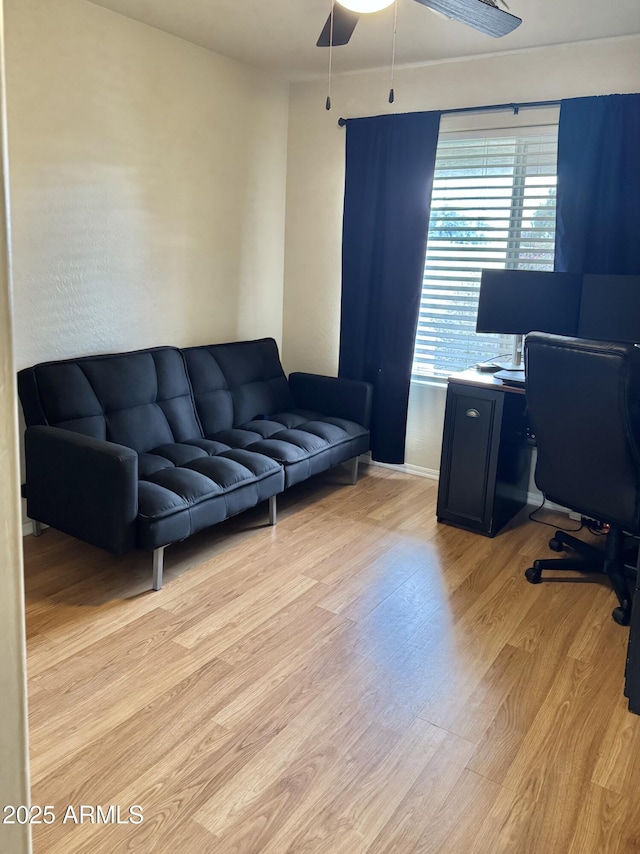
{"x": 583, "y": 399}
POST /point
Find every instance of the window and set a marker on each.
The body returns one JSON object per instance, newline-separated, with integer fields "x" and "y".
{"x": 493, "y": 205}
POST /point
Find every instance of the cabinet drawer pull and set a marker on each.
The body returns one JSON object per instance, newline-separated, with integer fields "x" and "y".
{"x": 472, "y": 413}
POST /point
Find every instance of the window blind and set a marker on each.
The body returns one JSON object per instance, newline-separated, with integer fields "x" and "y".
{"x": 493, "y": 205}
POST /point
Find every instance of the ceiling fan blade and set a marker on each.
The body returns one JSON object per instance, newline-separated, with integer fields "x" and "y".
{"x": 479, "y": 14}
{"x": 344, "y": 23}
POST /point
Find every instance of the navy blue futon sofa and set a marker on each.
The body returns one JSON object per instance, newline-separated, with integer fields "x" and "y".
{"x": 143, "y": 449}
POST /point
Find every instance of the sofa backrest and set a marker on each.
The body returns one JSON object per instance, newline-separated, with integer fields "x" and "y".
{"x": 141, "y": 399}
{"x": 234, "y": 383}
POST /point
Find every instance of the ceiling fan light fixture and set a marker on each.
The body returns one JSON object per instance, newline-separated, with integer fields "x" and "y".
{"x": 365, "y": 6}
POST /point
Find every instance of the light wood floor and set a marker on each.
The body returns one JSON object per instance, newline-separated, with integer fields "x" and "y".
{"x": 359, "y": 679}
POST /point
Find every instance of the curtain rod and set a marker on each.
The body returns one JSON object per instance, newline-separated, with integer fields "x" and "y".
{"x": 490, "y": 108}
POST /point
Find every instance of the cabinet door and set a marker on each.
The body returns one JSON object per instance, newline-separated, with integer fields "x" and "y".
{"x": 469, "y": 457}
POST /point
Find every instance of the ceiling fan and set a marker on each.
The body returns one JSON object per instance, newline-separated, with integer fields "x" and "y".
{"x": 483, "y": 15}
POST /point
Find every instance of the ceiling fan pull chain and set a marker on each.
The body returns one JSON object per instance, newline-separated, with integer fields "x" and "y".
{"x": 327, "y": 105}
{"x": 392, "y": 94}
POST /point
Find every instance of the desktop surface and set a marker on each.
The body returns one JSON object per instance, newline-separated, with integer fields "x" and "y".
{"x": 482, "y": 379}
{"x": 514, "y": 378}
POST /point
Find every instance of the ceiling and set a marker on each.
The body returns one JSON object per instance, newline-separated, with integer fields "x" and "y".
{"x": 279, "y": 36}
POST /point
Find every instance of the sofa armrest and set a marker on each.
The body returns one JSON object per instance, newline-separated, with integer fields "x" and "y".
{"x": 83, "y": 486}
{"x": 342, "y": 398}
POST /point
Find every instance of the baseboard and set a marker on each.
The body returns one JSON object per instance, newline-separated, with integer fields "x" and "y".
{"x": 534, "y": 499}
{"x": 27, "y": 528}
{"x": 404, "y": 468}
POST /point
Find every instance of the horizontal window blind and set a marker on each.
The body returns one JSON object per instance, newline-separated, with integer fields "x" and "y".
{"x": 493, "y": 205}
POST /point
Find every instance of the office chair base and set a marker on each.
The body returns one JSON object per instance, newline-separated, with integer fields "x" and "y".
{"x": 562, "y": 540}
{"x": 533, "y": 575}
{"x": 590, "y": 566}
{"x": 555, "y": 544}
{"x": 622, "y": 614}
{"x": 592, "y": 561}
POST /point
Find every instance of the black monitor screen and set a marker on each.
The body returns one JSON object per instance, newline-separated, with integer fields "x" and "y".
{"x": 516, "y": 302}
{"x": 610, "y": 308}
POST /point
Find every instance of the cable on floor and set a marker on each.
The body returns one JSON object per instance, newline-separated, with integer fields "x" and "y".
{"x": 551, "y": 524}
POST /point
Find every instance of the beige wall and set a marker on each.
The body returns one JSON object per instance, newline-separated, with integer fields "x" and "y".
{"x": 148, "y": 186}
{"x": 14, "y": 772}
{"x": 315, "y": 180}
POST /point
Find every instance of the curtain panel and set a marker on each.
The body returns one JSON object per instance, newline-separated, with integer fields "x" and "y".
{"x": 389, "y": 175}
{"x": 598, "y": 202}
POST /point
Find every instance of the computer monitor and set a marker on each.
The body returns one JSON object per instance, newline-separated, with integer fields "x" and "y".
{"x": 520, "y": 301}
{"x": 610, "y": 308}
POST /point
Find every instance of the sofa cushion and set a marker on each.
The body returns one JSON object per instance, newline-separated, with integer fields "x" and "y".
{"x": 141, "y": 399}
{"x": 304, "y": 442}
{"x": 265, "y": 420}
{"x": 179, "y": 455}
{"x": 151, "y": 463}
{"x": 177, "y": 519}
{"x": 210, "y": 390}
{"x": 247, "y": 374}
{"x": 292, "y": 436}
{"x": 170, "y": 487}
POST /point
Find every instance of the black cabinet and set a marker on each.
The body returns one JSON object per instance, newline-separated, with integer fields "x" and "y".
{"x": 486, "y": 456}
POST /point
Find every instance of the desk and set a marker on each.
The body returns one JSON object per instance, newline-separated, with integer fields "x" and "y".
{"x": 486, "y": 454}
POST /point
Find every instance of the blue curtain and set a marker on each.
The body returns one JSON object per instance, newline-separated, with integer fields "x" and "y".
{"x": 389, "y": 175}
{"x": 598, "y": 205}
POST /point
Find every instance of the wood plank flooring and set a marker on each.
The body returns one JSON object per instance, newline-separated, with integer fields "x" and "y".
{"x": 357, "y": 680}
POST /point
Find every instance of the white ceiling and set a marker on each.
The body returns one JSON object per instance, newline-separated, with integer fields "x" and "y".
{"x": 279, "y": 36}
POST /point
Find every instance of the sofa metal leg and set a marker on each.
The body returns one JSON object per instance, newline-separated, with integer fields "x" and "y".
{"x": 158, "y": 564}
{"x": 36, "y": 527}
{"x": 354, "y": 470}
{"x": 272, "y": 510}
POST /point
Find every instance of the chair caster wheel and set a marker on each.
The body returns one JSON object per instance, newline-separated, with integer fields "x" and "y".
{"x": 533, "y": 575}
{"x": 621, "y": 616}
{"x": 555, "y": 545}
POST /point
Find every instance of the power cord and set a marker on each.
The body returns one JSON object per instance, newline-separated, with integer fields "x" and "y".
{"x": 598, "y": 529}
{"x": 551, "y": 524}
